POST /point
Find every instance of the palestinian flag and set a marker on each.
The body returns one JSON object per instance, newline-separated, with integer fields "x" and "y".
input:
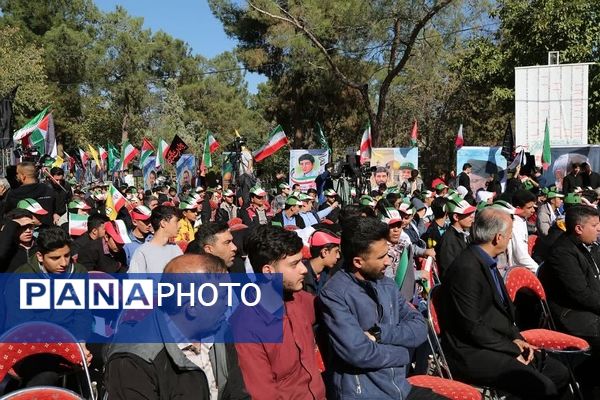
{"x": 147, "y": 150}
{"x": 210, "y": 146}
{"x": 163, "y": 149}
{"x": 103, "y": 153}
{"x": 128, "y": 153}
{"x": 114, "y": 202}
{"x": 77, "y": 224}
{"x": 365, "y": 145}
{"x": 30, "y": 126}
{"x": 276, "y": 141}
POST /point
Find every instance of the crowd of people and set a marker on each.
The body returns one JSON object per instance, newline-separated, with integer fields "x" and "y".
{"x": 357, "y": 278}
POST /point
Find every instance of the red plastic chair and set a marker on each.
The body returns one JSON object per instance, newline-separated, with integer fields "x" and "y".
{"x": 443, "y": 369}
{"x": 531, "y": 241}
{"x": 520, "y": 278}
{"x": 33, "y": 338}
{"x": 42, "y": 393}
{"x": 453, "y": 390}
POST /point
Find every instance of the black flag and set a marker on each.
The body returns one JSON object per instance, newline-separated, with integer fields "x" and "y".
{"x": 6, "y": 119}
{"x": 176, "y": 150}
{"x": 508, "y": 144}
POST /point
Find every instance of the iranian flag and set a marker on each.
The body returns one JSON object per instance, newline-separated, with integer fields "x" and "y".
{"x": 147, "y": 150}
{"x": 210, "y": 146}
{"x": 84, "y": 158}
{"x": 77, "y": 224}
{"x": 103, "y": 153}
{"x": 30, "y": 126}
{"x": 114, "y": 202}
{"x": 276, "y": 141}
{"x": 460, "y": 141}
{"x": 365, "y": 145}
{"x": 163, "y": 148}
{"x": 128, "y": 153}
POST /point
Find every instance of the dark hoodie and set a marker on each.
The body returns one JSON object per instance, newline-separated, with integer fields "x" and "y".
{"x": 41, "y": 192}
{"x": 12, "y": 255}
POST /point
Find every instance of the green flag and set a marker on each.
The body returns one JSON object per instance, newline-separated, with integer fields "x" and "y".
{"x": 546, "y": 153}
{"x": 113, "y": 156}
{"x": 321, "y": 139}
{"x": 402, "y": 267}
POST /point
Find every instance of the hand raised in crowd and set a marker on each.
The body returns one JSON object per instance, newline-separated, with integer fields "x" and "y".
{"x": 3, "y": 191}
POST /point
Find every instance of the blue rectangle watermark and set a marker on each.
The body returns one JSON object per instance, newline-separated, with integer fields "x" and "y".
{"x": 143, "y": 308}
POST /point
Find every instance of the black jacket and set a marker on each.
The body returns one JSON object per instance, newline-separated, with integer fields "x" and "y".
{"x": 478, "y": 328}
{"x": 465, "y": 180}
{"x": 592, "y": 180}
{"x": 570, "y": 182}
{"x": 571, "y": 279}
{"x": 90, "y": 254}
{"x": 63, "y": 197}
{"x": 12, "y": 256}
{"x": 452, "y": 244}
{"x": 278, "y": 218}
{"x": 41, "y": 192}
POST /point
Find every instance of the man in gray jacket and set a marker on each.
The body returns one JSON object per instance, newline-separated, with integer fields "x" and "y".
{"x": 548, "y": 212}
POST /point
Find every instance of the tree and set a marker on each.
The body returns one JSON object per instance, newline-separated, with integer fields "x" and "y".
{"x": 569, "y": 26}
{"x": 365, "y": 45}
{"x": 22, "y": 65}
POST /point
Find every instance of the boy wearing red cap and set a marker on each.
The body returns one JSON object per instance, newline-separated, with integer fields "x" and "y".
{"x": 324, "y": 256}
{"x": 141, "y": 232}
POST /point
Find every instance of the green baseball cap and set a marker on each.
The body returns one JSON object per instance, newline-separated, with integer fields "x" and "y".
{"x": 366, "y": 200}
{"x": 572, "y": 198}
{"x": 553, "y": 195}
{"x": 188, "y": 203}
{"x": 293, "y": 201}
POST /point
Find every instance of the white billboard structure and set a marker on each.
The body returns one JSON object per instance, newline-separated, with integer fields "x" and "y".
{"x": 558, "y": 93}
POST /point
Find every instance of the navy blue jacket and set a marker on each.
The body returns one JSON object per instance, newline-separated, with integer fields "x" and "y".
{"x": 359, "y": 367}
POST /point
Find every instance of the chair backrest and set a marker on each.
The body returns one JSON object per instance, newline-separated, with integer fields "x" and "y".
{"x": 518, "y": 278}
{"x": 531, "y": 241}
{"x": 431, "y": 308}
{"x": 37, "y": 338}
{"x": 42, "y": 393}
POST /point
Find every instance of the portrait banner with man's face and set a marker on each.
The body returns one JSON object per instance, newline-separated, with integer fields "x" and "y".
{"x": 564, "y": 156}
{"x": 393, "y": 165}
{"x": 185, "y": 168}
{"x": 486, "y": 161}
{"x": 306, "y": 165}
{"x": 149, "y": 170}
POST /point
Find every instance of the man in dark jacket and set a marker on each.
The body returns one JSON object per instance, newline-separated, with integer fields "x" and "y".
{"x": 481, "y": 342}
{"x": 255, "y": 213}
{"x": 372, "y": 328}
{"x": 571, "y": 278}
{"x": 157, "y": 371}
{"x": 572, "y": 180}
{"x": 31, "y": 188}
{"x": 464, "y": 179}
{"x": 62, "y": 189}
{"x": 589, "y": 178}
{"x": 106, "y": 254}
{"x": 456, "y": 237}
